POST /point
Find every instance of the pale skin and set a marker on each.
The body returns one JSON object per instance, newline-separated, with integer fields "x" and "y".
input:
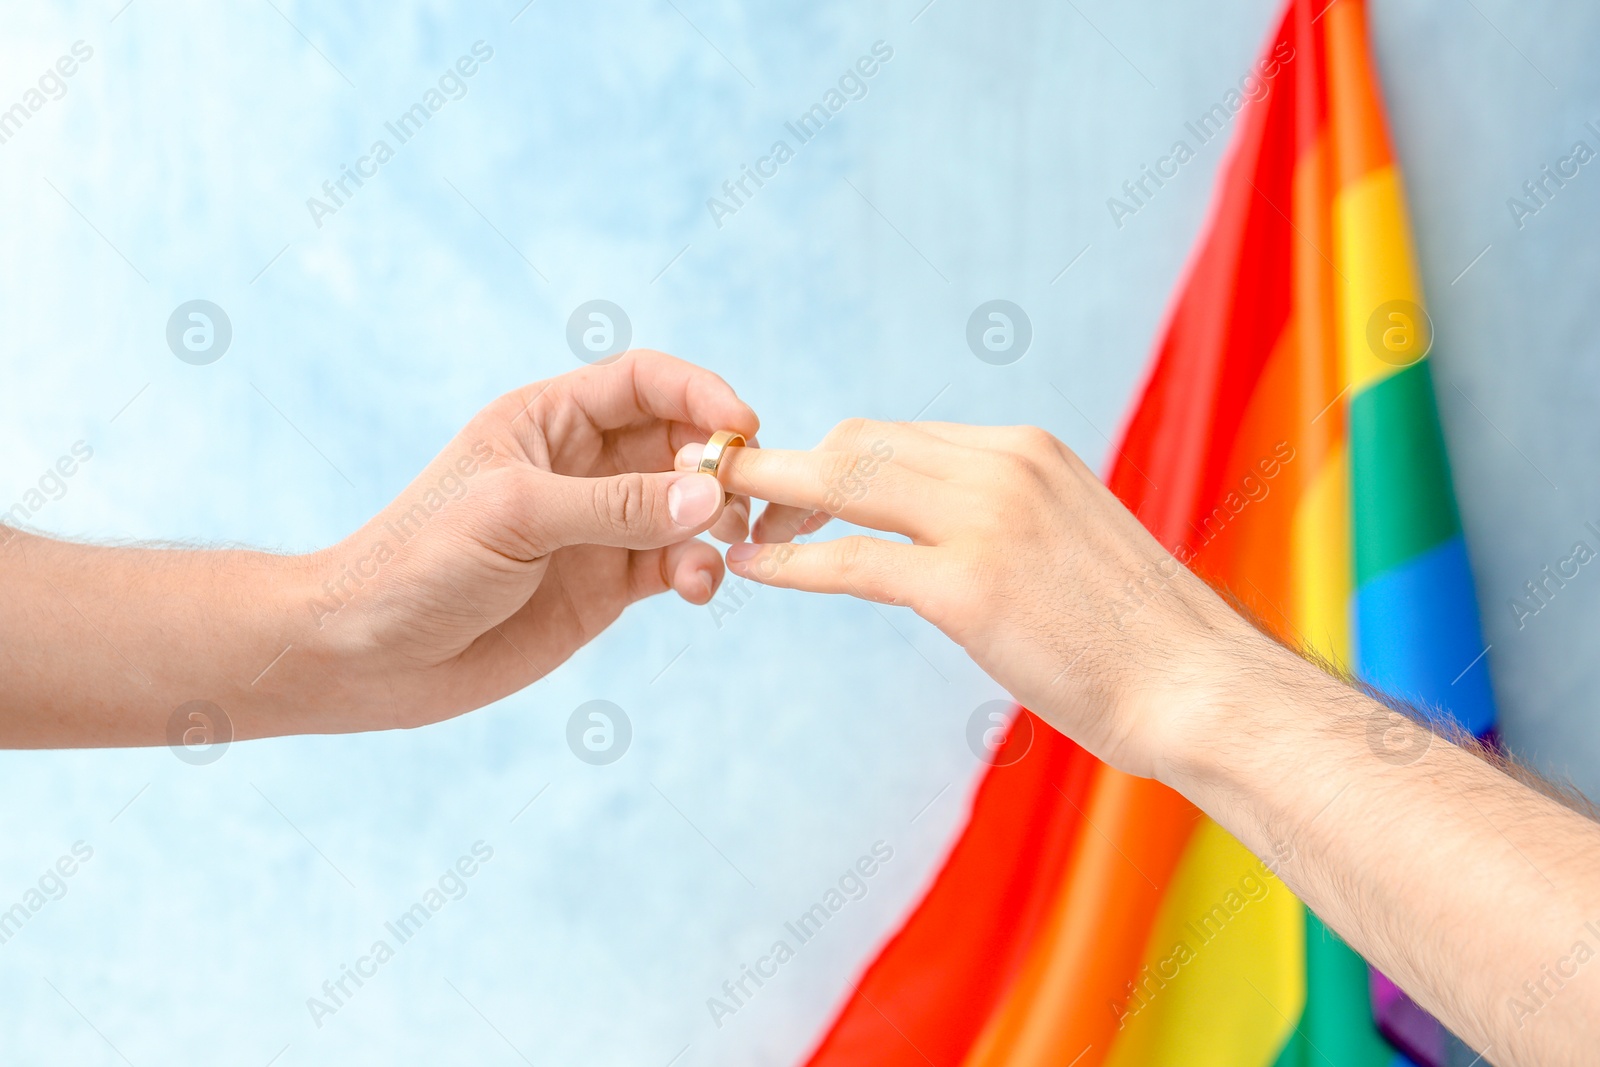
{"x": 563, "y": 502}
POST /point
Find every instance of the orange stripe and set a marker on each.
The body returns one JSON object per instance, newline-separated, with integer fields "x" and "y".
{"x": 1314, "y": 251}
{"x": 1361, "y": 135}
{"x": 1244, "y": 534}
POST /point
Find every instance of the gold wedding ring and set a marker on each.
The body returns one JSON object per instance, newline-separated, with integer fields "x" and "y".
{"x": 716, "y": 448}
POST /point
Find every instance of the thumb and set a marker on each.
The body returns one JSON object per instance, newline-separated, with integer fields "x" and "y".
{"x": 632, "y": 510}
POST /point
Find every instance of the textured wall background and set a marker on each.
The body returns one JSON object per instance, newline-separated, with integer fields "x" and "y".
{"x": 773, "y": 749}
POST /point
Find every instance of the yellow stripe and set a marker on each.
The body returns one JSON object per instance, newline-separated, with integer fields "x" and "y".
{"x": 1321, "y": 560}
{"x": 1224, "y": 970}
{"x": 1377, "y": 281}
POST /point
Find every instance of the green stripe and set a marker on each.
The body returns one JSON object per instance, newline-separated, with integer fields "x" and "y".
{"x": 1336, "y": 1029}
{"x": 1401, "y": 501}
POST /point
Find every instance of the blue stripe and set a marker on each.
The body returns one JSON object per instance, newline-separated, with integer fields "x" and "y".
{"x": 1417, "y": 636}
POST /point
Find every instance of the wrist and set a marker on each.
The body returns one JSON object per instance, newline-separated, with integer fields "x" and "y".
{"x": 1227, "y": 706}
{"x": 323, "y": 597}
{"x": 312, "y": 646}
{"x": 1256, "y": 736}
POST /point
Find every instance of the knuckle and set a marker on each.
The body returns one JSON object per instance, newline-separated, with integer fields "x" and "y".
{"x": 501, "y": 493}
{"x": 864, "y": 563}
{"x": 509, "y": 407}
{"x": 838, "y": 479}
{"x": 1028, "y": 456}
{"x": 1034, "y": 442}
{"x": 855, "y": 563}
{"x": 623, "y": 500}
{"x": 1011, "y": 469}
{"x": 846, "y": 431}
{"x": 849, "y": 556}
{"x": 500, "y": 509}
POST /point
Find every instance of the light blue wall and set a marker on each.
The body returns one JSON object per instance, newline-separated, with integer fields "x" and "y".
{"x": 779, "y": 746}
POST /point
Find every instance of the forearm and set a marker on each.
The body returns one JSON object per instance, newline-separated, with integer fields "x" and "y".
{"x": 99, "y": 646}
{"x": 1456, "y": 880}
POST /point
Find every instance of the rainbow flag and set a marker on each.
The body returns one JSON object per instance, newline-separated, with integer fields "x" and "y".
{"x": 1287, "y": 446}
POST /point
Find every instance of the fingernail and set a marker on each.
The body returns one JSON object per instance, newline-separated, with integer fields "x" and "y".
{"x": 743, "y": 552}
{"x": 708, "y": 583}
{"x": 688, "y": 457}
{"x": 693, "y": 499}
